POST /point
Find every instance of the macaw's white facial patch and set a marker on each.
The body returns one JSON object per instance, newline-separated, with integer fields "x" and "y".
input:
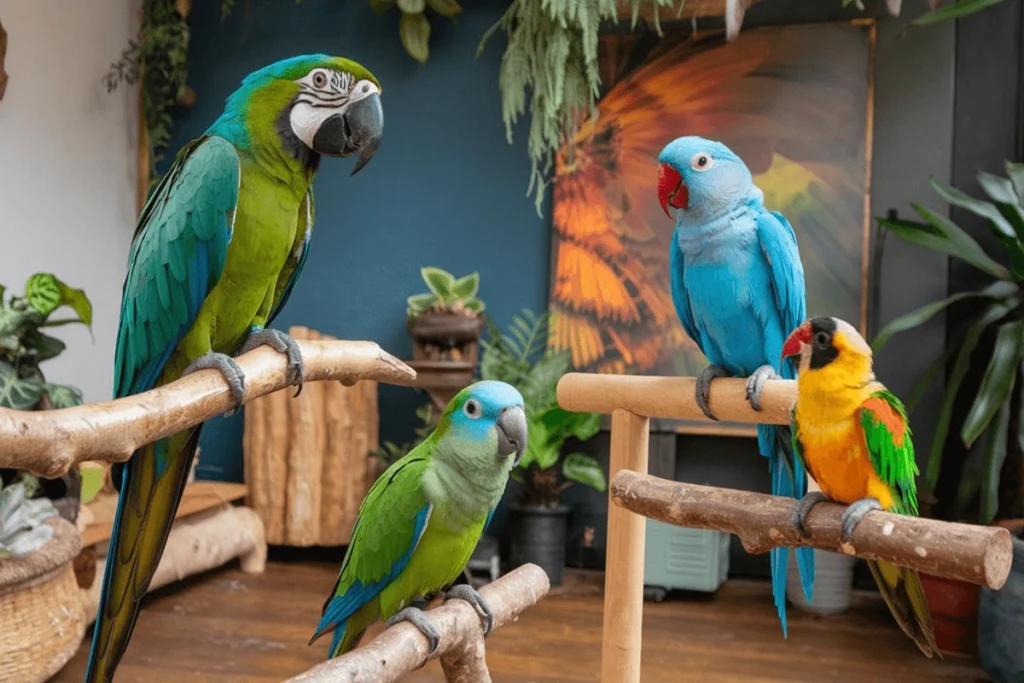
{"x": 324, "y": 93}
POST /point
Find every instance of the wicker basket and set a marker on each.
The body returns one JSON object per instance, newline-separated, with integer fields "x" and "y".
{"x": 41, "y": 618}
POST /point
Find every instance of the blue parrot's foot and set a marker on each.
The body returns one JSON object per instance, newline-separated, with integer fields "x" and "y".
{"x": 466, "y": 592}
{"x": 227, "y": 366}
{"x": 755, "y": 384}
{"x": 803, "y": 508}
{"x": 282, "y": 343}
{"x": 418, "y": 618}
{"x": 702, "y": 391}
{"x": 855, "y": 513}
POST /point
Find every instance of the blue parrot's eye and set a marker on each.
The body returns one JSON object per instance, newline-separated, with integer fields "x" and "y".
{"x": 701, "y": 161}
{"x": 471, "y": 408}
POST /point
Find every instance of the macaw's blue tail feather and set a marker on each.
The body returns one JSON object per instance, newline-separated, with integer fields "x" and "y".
{"x": 151, "y": 485}
{"x": 788, "y": 479}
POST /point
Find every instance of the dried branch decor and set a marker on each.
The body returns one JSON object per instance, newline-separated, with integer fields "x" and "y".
{"x": 48, "y": 443}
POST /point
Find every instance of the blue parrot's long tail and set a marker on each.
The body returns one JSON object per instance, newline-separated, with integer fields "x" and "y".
{"x": 151, "y": 484}
{"x": 788, "y": 479}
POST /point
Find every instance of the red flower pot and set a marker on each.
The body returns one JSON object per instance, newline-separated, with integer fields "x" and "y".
{"x": 954, "y": 608}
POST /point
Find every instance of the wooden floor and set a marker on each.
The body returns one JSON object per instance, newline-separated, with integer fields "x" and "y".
{"x": 227, "y": 626}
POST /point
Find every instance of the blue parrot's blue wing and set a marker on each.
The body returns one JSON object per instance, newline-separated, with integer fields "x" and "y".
{"x": 679, "y": 296}
{"x": 780, "y": 251}
{"x": 296, "y": 260}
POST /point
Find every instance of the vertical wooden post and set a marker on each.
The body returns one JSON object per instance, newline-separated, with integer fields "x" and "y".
{"x": 624, "y": 564}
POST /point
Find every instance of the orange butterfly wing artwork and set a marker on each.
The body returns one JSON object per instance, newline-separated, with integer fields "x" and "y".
{"x": 792, "y": 102}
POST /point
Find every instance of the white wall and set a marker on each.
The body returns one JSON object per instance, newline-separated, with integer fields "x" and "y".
{"x": 67, "y": 167}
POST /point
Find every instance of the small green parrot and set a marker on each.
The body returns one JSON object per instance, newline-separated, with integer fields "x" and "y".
{"x": 421, "y": 520}
{"x": 216, "y": 253}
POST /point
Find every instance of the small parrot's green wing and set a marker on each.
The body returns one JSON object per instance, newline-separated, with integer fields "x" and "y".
{"x": 889, "y": 443}
{"x": 176, "y": 258}
{"x": 296, "y": 258}
{"x": 391, "y": 522}
{"x": 798, "y": 446}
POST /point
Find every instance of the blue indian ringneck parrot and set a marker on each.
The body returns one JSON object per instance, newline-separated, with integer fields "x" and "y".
{"x": 216, "y": 253}
{"x": 738, "y": 289}
{"x": 422, "y": 518}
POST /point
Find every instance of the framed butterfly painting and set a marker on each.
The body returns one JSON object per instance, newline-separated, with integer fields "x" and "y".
{"x": 794, "y": 102}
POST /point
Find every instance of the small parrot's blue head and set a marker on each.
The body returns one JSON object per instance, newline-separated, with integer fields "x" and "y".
{"x": 702, "y": 178}
{"x": 489, "y": 414}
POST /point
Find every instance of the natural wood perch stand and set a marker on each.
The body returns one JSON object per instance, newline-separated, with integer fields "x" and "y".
{"x": 48, "y": 443}
{"x": 971, "y": 553}
{"x": 402, "y": 648}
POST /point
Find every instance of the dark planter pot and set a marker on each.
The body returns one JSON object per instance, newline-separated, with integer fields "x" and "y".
{"x": 537, "y": 536}
{"x": 445, "y": 336}
{"x": 954, "y": 608}
{"x": 1001, "y": 624}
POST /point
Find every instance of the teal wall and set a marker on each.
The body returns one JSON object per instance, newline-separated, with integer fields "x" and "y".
{"x": 445, "y": 189}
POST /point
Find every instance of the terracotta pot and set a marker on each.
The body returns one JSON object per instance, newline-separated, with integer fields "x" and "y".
{"x": 445, "y": 336}
{"x": 954, "y": 608}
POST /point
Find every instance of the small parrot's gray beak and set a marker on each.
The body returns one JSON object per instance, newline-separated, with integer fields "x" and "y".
{"x": 512, "y": 433}
{"x": 359, "y": 129}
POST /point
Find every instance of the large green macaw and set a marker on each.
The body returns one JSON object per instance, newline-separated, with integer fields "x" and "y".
{"x": 216, "y": 253}
{"x": 423, "y": 517}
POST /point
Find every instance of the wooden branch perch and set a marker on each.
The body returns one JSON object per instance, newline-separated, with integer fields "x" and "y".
{"x": 48, "y": 443}
{"x": 967, "y": 552}
{"x": 673, "y": 397}
{"x": 402, "y": 648}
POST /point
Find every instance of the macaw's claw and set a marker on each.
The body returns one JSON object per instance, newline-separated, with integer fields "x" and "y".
{"x": 418, "y": 618}
{"x": 803, "y": 508}
{"x": 755, "y": 384}
{"x": 855, "y": 513}
{"x": 282, "y": 343}
{"x": 464, "y": 591}
{"x": 702, "y": 391}
{"x": 420, "y": 602}
{"x": 227, "y": 366}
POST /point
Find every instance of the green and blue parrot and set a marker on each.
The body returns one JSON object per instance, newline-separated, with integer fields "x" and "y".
{"x": 738, "y": 289}
{"x": 421, "y": 520}
{"x": 216, "y": 253}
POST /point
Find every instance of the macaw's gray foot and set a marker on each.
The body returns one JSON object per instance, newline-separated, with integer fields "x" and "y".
{"x": 227, "y": 366}
{"x": 755, "y": 384}
{"x": 418, "y": 618}
{"x": 466, "y": 592}
{"x": 703, "y": 389}
{"x": 855, "y": 513}
{"x": 803, "y": 508}
{"x": 420, "y": 602}
{"x": 282, "y": 343}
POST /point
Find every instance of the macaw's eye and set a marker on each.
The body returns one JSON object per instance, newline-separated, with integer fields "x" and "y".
{"x": 701, "y": 161}
{"x": 472, "y": 408}
{"x": 821, "y": 339}
{"x": 319, "y": 79}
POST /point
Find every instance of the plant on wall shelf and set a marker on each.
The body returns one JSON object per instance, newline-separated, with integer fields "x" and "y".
{"x": 445, "y": 322}
{"x": 990, "y": 422}
{"x": 414, "y": 27}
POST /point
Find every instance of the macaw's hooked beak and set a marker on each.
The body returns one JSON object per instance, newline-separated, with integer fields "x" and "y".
{"x": 672, "y": 191}
{"x": 512, "y": 431}
{"x": 797, "y": 339}
{"x": 359, "y": 129}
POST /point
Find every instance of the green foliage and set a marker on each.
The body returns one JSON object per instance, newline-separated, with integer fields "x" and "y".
{"x": 23, "y": 344}
{"x": 413, "y": 26}
{"x": 446, "y": 293}
{"x": 23, "y": 528}
{"x": 999, "y": 313}
{"x": 519, "y": 357}
{"x": 389, "y": 452}
{"x": 954, "y": 10}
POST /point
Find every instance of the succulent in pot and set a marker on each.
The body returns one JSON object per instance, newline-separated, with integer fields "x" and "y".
{"x": 446, "y": 321}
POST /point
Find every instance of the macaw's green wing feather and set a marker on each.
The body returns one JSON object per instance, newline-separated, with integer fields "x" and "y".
{"x": 176, "y": 258}
{"x": 391, "y": 522}
{"x": 296, "y": 259}
{"x": 889, "y": 443}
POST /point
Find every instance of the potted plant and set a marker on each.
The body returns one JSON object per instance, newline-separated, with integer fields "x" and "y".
{"x": 990, "y": 487}
{"x": 538, "y": 520}
{"x": 39, "y": 595}
{"x": 445, "y": 322}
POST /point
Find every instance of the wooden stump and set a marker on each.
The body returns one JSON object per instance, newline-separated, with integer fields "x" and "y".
{"x": 307, "y": 459}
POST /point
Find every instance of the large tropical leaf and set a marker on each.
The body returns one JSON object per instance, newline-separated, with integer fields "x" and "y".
{"x": 17, "y": 392}
{"x": 583, "y": 469}
{"x": 998, "y": 381}
{"x": 63, "y": 395}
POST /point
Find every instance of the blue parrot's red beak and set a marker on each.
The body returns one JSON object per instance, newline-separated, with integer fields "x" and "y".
{"x": 796, "y": 340}
{"x": 672, "y": 191}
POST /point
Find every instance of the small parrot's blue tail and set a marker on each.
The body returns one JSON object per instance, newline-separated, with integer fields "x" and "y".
{"x": 772, "y": 444}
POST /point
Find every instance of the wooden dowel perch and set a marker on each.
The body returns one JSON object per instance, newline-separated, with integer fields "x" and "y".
{"x": 673, "y": 397}
{"x": 976, "y": 554}
{"x": 402, "y": 648}
{"x": 48, "y": 443}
